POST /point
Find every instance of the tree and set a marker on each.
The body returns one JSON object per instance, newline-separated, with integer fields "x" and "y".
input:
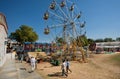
{"x": 24, "y": 34}
{"x": 118, "y": 39}
{"x": 59, "y": 40}
{"x": 90, "y": 41}
{"x": 99, "y": 40}
{"x": 108, "y": 40}
{"x": 83, "y": 40}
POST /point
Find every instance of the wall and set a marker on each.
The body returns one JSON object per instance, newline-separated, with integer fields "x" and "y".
{"x": 3, "y": 39}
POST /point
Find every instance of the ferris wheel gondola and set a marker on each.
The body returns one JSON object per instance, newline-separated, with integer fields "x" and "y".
{"x": 46, "y": 16}
{"x": 62, "y": 4}
{"x": 52, "y": 5}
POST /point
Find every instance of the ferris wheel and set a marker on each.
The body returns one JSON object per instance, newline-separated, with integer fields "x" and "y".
{"x": 63, "y": 19}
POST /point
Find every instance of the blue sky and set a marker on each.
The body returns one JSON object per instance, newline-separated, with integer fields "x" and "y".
{"x": 102, "y": 16}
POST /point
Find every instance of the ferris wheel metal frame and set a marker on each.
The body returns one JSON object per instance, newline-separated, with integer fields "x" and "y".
{"x": 65, "y": 15}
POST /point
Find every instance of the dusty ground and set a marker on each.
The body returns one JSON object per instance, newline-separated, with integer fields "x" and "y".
{"x": 100, "y": 66}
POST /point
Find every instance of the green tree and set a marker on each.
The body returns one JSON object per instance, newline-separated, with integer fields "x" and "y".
{"x": 24, "y": 34}
{"x": 59, "y": 40}
{"x": 83, "y": 40}
{"x": 108, "y": 40}
{"x": 99, "y": 40}
{"x": 118, "y": 39}
{"x": 90, "y": 41}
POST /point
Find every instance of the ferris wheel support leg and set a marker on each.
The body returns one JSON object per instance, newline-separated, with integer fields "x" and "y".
{"x": 83, "y": 56}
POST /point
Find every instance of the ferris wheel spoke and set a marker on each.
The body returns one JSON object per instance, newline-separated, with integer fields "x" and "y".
{"x": 61, "y": 10}
{"x": 77, "y": 22}
{"x": 72, "y": 15}
{"x": 71, "y": 34}
{"x": 54, "y": 26}
{"x": 61, "y": 18}
{"x": 81, "y": 29}
{"x": 70, "y": 1}
{"x": 71, "y": 9}
{"x": 58, "y": 12}
{"x": 75, "y": 18}
{"x": 67, "y": 9}
{"x": 56, "y": 20}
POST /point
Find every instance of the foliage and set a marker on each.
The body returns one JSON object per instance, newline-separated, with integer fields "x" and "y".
{"x": 59, "y": 40}
{"x": 90, "y": 41}
{"x": 99, "y": 40}
{"x": 24, "y": 34}
{"x": 108, "y": 40}
{"x": 118, "y": 39}
{"x": 116, "y": 59}
{"x": 82, "y": 39}
{"x": 55, "y": 62}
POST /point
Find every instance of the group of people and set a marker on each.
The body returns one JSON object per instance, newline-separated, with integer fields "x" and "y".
{"x": 19, "y": 53}
{"x": 65, "y": 67}
{"x": 31, "y": 59}
{"x": 20, "y": 56}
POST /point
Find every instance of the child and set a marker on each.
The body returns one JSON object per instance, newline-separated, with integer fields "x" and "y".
{"x": 63, "y": 66}
{"x": 67, "y": 66}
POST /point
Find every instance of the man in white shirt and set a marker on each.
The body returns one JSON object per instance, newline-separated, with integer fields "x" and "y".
{"x": 63, "y": 67}
{"x": 33, "y": 62}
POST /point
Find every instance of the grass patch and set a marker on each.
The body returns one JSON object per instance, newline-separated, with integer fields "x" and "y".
{"x": 115, "y": 59}
{"x": 94, "y": 65}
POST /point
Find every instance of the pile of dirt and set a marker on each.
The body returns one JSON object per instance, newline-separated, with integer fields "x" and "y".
{"x": 34, "y": 54}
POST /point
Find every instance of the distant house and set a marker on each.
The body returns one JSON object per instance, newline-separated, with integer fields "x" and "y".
{"x": 3, "y": 38}
{"x": 108, "y": 46}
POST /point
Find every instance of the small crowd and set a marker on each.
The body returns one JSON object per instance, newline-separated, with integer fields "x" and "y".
{"x": 65, "y": 67}
{"x": 20, "y": 55}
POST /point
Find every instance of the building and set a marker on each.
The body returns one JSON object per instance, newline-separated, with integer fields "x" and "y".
{"x": 108, "y": 46}
{"x": 3, "y": 38}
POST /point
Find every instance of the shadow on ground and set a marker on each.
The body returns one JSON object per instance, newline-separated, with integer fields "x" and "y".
{"x": 56, "y": 74}
{"x": 22, "y": 68}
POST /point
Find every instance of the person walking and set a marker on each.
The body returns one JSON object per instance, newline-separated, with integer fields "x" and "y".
{"x": 19, "y": 50}
{"x": 21, "y": 56}
{"x": 63, "y": 66}
{"x": 68, "y": 66}
{"x": 33, "y": 63}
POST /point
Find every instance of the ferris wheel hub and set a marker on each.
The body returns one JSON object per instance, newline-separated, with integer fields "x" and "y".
{"x": 72, "y": 23}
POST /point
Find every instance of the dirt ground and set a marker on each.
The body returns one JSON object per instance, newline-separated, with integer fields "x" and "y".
{"x": 99, "y": 66}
